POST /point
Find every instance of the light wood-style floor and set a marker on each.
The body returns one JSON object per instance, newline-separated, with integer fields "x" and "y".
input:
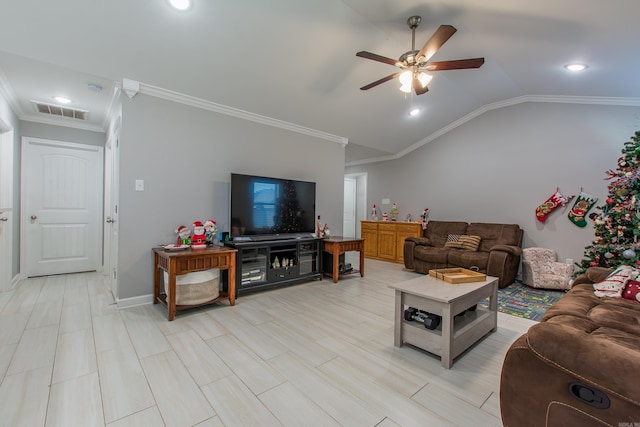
{"x": 314, "y": 354}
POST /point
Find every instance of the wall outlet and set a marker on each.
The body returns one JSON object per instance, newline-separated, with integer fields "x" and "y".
{"x": 569, "y": 261}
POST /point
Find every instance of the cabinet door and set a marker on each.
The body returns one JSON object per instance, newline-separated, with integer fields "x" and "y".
{"x": 387, "y": 244}
{"x": 370, "y": 242}
{"x": 404, "y": 231}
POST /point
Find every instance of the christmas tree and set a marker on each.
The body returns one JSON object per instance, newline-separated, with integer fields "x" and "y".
{"x": 617, "y": 226}
{"x": 288, "y": 214}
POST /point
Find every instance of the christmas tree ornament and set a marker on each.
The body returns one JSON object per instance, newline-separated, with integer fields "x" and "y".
{"x": 629, "y": 254}
{"x": 582, "y": 205}
{"x": 608, "y": 255}
{"x": 551, "y": 204}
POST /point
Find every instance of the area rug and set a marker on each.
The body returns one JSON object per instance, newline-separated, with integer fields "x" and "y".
{"x": 523, "y": 301}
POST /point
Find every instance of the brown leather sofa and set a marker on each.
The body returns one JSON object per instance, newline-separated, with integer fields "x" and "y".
{"x": 579, "y": 366}
{"x": 498, "y": 253}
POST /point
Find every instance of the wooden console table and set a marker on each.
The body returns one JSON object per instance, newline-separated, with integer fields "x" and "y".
{"x": 337, "y": 245}
{"x": 189, "y": 260}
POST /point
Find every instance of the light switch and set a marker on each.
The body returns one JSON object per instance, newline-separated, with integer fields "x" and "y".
{"x": 139, "y": 184}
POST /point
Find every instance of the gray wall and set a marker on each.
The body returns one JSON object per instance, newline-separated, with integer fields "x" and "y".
{"x": 185, "y": 156}
{"x": 501, "y": 165}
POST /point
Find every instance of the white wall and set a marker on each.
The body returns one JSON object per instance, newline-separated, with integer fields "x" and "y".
{"x": 185, "y": 156}
{"x": 501, "y": 165}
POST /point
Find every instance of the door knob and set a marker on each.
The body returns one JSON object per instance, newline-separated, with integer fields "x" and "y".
{"x": 4, "y": 219}
{"x": 109, "y": 220}
{"x": 33, "y": 217}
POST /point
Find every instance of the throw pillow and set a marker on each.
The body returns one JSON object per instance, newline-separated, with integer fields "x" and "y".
{"x": 615, "y": 282}
{"x": 470, "y": 243}
{"x": 452, "y": 241}
{"x": 632, "y": 291}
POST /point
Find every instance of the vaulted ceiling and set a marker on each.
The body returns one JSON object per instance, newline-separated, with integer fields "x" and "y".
{"x": 294, "y": 60}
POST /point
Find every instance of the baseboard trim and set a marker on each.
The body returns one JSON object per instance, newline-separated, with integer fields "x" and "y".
{"x": 15, "y": 280}
{"x": 134, "y": 301}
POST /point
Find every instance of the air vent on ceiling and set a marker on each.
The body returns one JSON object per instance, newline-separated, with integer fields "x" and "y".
{"x": 57, "y": 110}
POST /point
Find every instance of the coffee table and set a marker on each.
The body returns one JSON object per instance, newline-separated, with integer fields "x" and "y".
{"x": 455, "y": 334}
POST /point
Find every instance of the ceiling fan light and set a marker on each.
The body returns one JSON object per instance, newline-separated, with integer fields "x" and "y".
{"x": 576, "y": 67}
{"x": 406, "y": 77}
{"x": 406, "y": 88}
{"x": 424, "y": 78}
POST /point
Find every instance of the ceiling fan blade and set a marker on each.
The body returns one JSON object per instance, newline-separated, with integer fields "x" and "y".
{"x": 382, "y": 80}
{"x": 442, "y": 34}
{"x": 373, "y": 56}
{"x": 458, "y": 64}
{"x": 417, "y": 87}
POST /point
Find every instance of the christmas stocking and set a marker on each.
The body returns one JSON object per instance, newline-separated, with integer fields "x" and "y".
{"x": 552, "y": 203}
{"x": 583, "y": 203}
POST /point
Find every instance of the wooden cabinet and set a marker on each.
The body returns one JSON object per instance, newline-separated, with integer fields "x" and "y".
{"x": 385, "y": 240}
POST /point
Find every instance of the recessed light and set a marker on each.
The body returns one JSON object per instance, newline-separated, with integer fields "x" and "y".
{"x": 62, "y": 99}
{"x": 576, "y": 67}
{"x": 415, "y": 111}
{"x": 181, "y": 4}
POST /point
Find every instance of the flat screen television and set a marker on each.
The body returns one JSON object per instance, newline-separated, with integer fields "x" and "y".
{"x": 263, "y": 206}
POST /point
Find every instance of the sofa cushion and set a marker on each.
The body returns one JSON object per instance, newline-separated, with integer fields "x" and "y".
{"x": 495, "y": 234}
{"x": 469, "y": 242}
{"x": 438, "y": 231}
{"x": 431, "y": 254}
{"x": 467, "y": 259}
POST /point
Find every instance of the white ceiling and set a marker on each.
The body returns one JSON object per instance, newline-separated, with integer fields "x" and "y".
{"x": 294, "y": 60}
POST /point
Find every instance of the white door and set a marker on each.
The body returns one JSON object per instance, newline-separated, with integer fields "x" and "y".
{"x": 349, "y": 218}
{"x": 111, "y": 211}
{"x": 6, "y": 206}
{"x": 61, "y": 210}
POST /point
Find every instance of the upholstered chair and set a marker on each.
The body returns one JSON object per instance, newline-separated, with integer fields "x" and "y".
{"x": 541, "y": 269}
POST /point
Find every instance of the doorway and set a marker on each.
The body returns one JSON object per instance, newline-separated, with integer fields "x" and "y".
{"x": 355, "y": 203}
{"x": 61, "y": 207}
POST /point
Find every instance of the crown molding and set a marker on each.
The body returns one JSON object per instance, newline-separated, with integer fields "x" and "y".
{"x": 235, "y": 112}
{"x": 585, "y": 100}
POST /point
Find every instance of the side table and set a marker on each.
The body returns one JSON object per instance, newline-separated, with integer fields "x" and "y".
{"x": 336, "y": 245}
{"x": 189, "y": 260}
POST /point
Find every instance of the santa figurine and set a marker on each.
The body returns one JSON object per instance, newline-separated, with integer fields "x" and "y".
{"x": 211, "y": 229}
{"x": 199, "y": 237}
{"x": 183, "y": 235}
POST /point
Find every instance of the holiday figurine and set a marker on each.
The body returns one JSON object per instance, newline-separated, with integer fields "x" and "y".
{"x": 385, "y": 217}
{"x": 210, "y": 229}
{"x": 319, "y": 232}
{"x": 424, "y": 215}
{"x": 198, "y": 239}
{"x": 394, "y": 212}
{"x": 374, "y": 213}
{"x": 325, "y": 231}
{"x": 551, "y": 204}
{"x": 183, "y": 235}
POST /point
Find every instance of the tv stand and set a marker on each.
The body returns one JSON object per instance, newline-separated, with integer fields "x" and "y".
{"x": 276, "y": 262}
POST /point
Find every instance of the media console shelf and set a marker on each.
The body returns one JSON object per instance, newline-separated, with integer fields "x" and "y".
{"x": 267, "y": 263}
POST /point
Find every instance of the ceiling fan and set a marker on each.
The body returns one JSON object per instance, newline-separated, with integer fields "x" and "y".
{"x": 414, "y": 63}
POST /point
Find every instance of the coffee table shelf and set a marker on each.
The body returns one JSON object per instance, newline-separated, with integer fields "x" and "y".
{"x": 455, "y": 334}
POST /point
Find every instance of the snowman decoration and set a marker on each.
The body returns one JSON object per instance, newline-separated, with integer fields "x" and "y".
{"x": 199, "y": 238}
